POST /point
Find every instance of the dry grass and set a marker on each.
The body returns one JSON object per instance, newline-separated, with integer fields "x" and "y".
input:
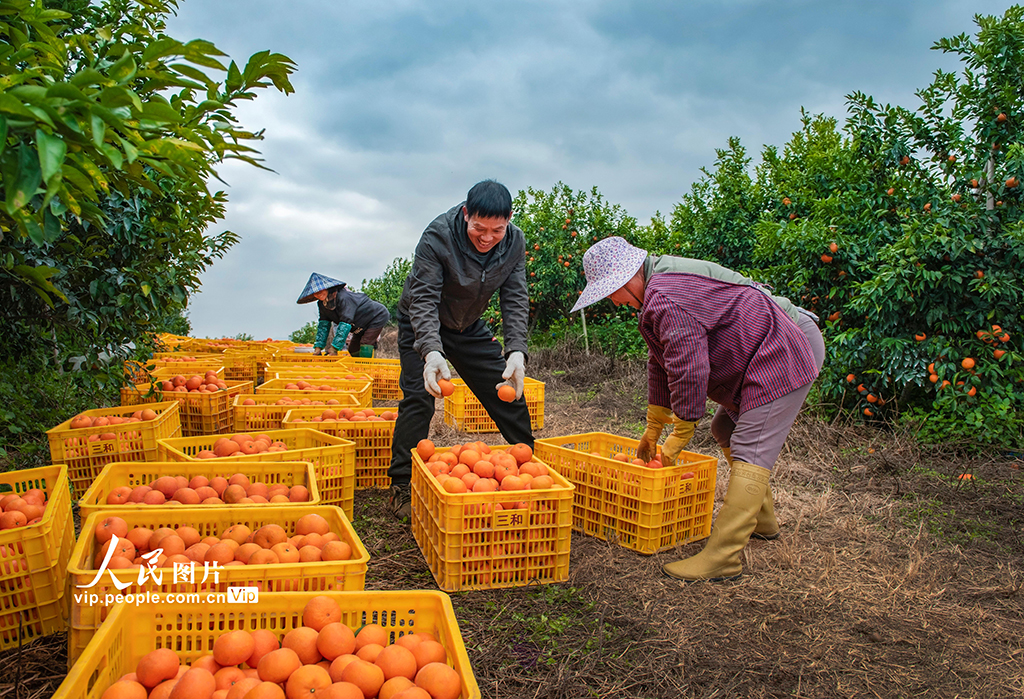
{"x": 892, "y": 578}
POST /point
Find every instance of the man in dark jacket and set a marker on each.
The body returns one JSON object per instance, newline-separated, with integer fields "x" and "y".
{"x": 354, "y": 313}
{"x": 463, "y": 257}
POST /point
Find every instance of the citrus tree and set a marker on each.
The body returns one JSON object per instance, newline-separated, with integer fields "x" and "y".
{"x": 907, "y": 239}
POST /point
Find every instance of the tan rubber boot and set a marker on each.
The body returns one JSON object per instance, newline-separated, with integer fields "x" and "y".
{"x": 767, "y": 527}
{"x": 720, "y": 559}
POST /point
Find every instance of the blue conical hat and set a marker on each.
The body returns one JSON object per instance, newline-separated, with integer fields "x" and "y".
{"x": 317, "y": 282}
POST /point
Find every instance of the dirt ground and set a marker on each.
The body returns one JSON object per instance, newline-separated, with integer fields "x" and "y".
{"x": 893, "y": 577}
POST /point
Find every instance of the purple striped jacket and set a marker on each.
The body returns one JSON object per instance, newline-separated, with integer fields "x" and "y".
{"x": 713, "y": 339}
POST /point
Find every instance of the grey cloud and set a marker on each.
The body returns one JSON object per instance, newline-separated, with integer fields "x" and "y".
{"x": 402, "y": 105}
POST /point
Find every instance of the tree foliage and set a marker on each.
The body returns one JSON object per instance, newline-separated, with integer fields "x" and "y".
{"x": 387, "y": 288}
{"x": 110, "y": 131}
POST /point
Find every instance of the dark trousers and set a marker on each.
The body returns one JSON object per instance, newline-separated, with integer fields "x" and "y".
{"x": 366, "y": 336}
{"x": 479, "y": 359}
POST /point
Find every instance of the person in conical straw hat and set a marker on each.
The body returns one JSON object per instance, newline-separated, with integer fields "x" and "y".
{"x": 354, "y": 313}
{"x": 713, "y": 333}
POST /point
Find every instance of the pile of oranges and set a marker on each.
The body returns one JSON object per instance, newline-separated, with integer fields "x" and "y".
{"x": 80, "y": 422}
{"x": 209, "y": 383}
{"x": 653, "y": 463}
{"x": 236, "y": 546}
{"x": 306, "y": 386}
{"x": 322, "y": 658}
{"x": 350, "y": 415}
{"x": 475, "y": 467}
{"x": 285, "y": 400}
{"x": 242, "y": 445}
{"x": 22, "y": 510}
{"x": 200, "y": 490}
{"x": 179, "y": 359}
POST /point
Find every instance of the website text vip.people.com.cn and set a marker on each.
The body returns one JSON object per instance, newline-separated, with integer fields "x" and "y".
{"x": 232, "y": 595}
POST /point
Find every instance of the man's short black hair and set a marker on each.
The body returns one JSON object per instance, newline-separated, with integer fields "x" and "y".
{"x": 489, "y": 199}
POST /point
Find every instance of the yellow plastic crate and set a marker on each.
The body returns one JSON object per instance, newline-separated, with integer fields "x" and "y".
{"x": 362, "y": 389}
{"x": 275, "y": 577}
{"x": 265, "y": 414}
{"x": 34, "y": 559}
{"x": 306, "y": 358}
{"x": 133, "y": 474}
{"x": 333, "y": 459}
{"x": 644, "y": 509}
{"x": 385, "y": 373}
{"x": 242, "y": 366}
{"x": 373, "y": 442}
{"x": 464, "y": 412}
{"x": 141, "y": 381}
{"x": 470, "y": 545}
{"x": 135, "y": 441}
{"x": 201, "y": 413}
{"x": 189, "y": 628}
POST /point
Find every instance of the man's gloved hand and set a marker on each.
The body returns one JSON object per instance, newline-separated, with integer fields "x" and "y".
{"x": 677, "y": 441}
{"x": 515, "y": 372}
{"x": 332, "y": 352}
{"x": 434, "y": 367}
{"x": 317, "y": 351}
{"x": 657, "y": 417}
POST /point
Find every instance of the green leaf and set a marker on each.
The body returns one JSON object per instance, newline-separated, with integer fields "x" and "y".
{"x": 52, "y": 150}
{"x": 27, "y": 179}
{"x": 99, "y": 130}
{"x": 3, "y": 134}
{"x": 123, "y": 70}
{"x": 146, "y": 288}
{"x": 12, "y": 105}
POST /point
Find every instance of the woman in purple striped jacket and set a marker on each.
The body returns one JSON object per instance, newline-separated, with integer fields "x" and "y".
{"x": 713, "y": 333}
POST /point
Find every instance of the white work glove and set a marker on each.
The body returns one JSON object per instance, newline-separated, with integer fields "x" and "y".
{"x": 434, "y": 367}
{"x": 515, "y": 372}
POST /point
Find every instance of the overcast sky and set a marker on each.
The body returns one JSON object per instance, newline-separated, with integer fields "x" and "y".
{"x": 400, "y": 106}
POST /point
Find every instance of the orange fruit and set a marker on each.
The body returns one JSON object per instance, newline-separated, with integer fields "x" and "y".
{"x": 269, "y": 535}
{"x": 397, "y": 661}
{"x": 967, "y": 363}
{"x": 307, "y": 681}
{"x": 336, "y": 551}
{"x": 507, "y": 393}
{"x": 394, "y": 686}
{"x": 310, "y": 524}
{"x": 226, "y": 677}
{"x": 196, "y": 683}
{"x": 371, "y": 633}
{"x": 319, "y": 612}
{"x": 157, "y": 666}
{"x": 265, "y": 690}
{"x": 233, "y": 647}
{"x": 163, "y": 690}
{"x": 108, "y": 528}
{"x": 367, "y": 676}
{"x": 441, "y": 681}
{"x": 240, "y": 689}
{"x": 263, "y": 557}
{"x": 520, "y": 452}
{"x": 413, "y": 692}
{"x": 408, "y": 641}
{"x": 446, "y": 386}
{"x": 341, "y": 690}
{"x": 425, "y": 448}
{"x": 334, "y": 640}
{"x": 302, "y": 640}
{"x": 286, "y": 552}
{"x": 125, "y": 689}
{"x": 278, "y": 665}
{"x": 264, "y": 642}
{"x": 339, "y": 664}
{"x": 369, "y": 652}
{"x": 429, "y": 652}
